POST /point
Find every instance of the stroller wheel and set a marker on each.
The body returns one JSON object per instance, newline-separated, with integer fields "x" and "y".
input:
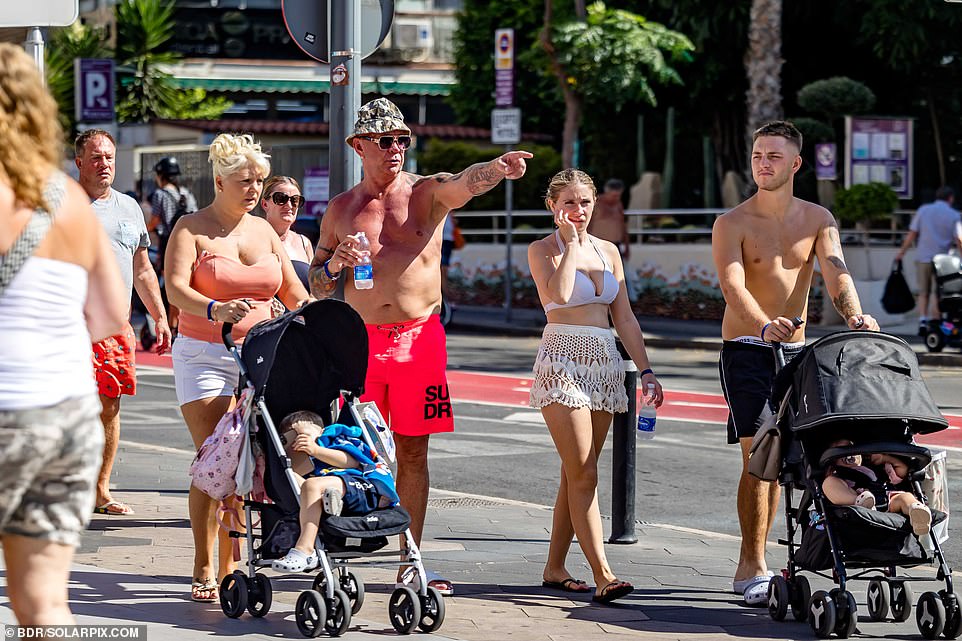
{"x": 901, "y": 593}
{"x": 778, "y": 598}
{"x": 354, "y": 589}
{"x": 404, "y": 608}
{"x": 877, "y": 598}
{"x": 801, "y": 592}
{"x": 821, "y": 614}
{"x": 233, "y": 594}
{"x": 338, "y": 614}
{"x": 934, "y": 340}
{"x": 310, "y": 613}
{"x": 846, "y": 614}
{"x": 930, "y": 615}
{"x": 953, "y": 615}
{"x": 259, "y": 595}
{"x": 432, "y": 610}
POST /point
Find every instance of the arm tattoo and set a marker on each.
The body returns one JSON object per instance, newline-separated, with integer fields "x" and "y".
{"x": 845, "y": 303}
{"x": 321, "y": 285}
{"x": 835, "y": 249}
{"x": 482, "y": 178}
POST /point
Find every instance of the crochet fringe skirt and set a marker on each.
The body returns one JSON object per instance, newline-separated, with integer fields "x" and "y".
{"x": 579, "y": 366}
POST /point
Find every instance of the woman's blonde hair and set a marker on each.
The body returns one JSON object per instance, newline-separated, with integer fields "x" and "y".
{"x": 230, "y": 153}
{"x": 31, "y": 140}
{"x": 563, "y": 179}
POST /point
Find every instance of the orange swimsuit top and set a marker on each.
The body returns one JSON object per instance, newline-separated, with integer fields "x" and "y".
{"x": 223, "y": 278}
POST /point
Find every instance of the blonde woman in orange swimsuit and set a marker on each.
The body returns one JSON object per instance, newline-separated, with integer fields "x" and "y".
{"x": 579, "y": 376}
{"x": 222, "y": 266}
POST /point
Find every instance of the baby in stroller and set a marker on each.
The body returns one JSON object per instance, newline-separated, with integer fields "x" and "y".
{"x": 848, "y": 482}
{"x": 339, "y": 473}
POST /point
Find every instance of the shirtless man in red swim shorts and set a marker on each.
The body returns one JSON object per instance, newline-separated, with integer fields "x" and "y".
{"x": 402, "y": 216}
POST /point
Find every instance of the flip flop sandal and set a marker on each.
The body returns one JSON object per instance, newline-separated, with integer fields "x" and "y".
{"x": 208, "y": 586}
{"x": 570, "y": 584}
{"x": 614, "y": 590}
{"x": 410, "y": 579}
{"x": 114, "y": 508}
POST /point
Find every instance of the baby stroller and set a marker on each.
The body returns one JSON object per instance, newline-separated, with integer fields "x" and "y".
{"x": 315, "y": 359}
{"x": 948, "y": 288}
{"x": 864, "y": 387}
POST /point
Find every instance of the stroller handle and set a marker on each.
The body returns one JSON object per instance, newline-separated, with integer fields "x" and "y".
{"x": 225, "y": 331}
{"x": 777, "y": 347}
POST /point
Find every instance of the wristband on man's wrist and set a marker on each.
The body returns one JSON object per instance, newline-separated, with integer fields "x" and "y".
{"x": 210, "y": 305}
{"x": 328, "y": 272}
{"x": 647, "y": 371}
{"x": 762, "y": 334}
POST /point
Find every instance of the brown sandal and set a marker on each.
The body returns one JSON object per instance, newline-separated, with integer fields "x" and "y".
{"x": 206, "y": 586}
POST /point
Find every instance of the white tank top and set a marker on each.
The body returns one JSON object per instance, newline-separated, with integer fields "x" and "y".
{"x": 45, "y": 352}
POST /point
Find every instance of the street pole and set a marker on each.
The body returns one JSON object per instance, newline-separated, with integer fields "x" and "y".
{"x": 623, "y": 461}
{"x": 508, "y": 269}
{"x": 345, "y": 92}
{"x": 33, "y": 45}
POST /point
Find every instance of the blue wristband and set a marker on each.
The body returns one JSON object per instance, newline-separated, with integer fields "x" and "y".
{"x": 209, "y": 306}
{"x": 762, "y": 335}
{"x": 646, "y": 371}
{"x": 328, "y": 272}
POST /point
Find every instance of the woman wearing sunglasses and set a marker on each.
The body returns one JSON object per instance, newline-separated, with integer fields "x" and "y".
{"x": 282, "y": 199}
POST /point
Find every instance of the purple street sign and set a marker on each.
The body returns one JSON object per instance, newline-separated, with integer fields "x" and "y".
{"x": 94, "y": 90}
{"x": 880, "y": 150}
{"x": 825, "y": 161}
{"x": 316, "y": 191}
{"x": 503, "y": 87}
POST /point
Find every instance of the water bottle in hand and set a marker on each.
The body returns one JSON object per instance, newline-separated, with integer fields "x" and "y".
{"x": 364, "y": 271}
{"x": 646, "y": 415}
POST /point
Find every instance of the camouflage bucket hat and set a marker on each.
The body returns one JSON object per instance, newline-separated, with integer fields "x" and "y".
{"x": 378, "y": 117}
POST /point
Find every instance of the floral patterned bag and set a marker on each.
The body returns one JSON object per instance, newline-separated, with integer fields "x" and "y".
{"x": 215, "y": 465}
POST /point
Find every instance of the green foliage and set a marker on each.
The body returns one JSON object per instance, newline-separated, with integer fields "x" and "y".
{"x": 76, "y": 41}
{"x": 615, "y": 55}
{"x": 835, "y": 97}
{"x": 865, "y": 202}
{"x": 146, "y": 91}
{"x": 813, "y": 131}
{"x": 440, "y": 156}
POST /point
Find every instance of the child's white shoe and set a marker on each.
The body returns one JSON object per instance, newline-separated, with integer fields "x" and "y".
{"x": 295, "y": 561}
{"x": 866, "y": 499}
{"x": 921, "y": 518}
{"x": 333, "y": 501}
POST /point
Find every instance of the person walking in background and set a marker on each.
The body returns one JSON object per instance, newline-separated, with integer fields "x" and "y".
{"x": 222, "y": 266}
{"x": 447, "y": 249}
{"x": 60, "y": 288}
{"x": 402, "y": 215}
{"x": 579, "y": 373}
{"x": 122, "y": 218}
{"x": 169, "y": 201}
{"x": 765, "y": 251}
{"x": 938, "y": 227}
{"x": 282, "y": 198}
{"x": 610, "y": 223}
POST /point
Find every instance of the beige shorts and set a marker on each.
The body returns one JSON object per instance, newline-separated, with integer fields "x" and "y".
{"x": 50, "y": 459}
{"x": 925, "y": 276}
{"x": 579, "y": 366}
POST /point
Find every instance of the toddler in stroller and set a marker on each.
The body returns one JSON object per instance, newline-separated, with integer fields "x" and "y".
{"x": 848, "y": 482}
{"x": 329, "y": 461}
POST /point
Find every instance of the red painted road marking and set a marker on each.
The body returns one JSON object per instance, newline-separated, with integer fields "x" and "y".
{"x": 699, "y": 407}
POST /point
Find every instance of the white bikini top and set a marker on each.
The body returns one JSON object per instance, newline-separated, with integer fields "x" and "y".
{"x": 584, "y": 289}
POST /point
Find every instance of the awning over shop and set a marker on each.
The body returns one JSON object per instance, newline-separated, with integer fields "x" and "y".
{"x": 386, "y": 87}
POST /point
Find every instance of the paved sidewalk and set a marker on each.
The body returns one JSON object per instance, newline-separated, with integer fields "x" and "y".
{"x": 133, "y": 570}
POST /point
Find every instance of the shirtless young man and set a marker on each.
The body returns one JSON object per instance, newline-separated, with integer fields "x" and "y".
{"x": 402, "y": 216}
{"x": 608, "y": 221}
{"x": 765, "y": 251}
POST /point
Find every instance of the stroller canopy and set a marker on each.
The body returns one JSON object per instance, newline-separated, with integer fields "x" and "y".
{"x": 304, "y": 358}
{"x": 857, "y": 376}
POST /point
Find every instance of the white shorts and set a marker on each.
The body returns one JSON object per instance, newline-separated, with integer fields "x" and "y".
{"x": 202, "y": 370}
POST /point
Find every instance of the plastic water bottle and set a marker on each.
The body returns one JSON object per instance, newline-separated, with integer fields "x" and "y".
{"x": 364, "y": 272}
{"x": 646, "y": 415}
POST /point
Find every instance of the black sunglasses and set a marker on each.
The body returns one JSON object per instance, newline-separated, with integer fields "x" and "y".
{"x": 281, "y": 199}
{"x": 386, "y": 142}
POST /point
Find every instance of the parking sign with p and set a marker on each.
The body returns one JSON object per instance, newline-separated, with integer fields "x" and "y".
{"x": 94, "y": 90}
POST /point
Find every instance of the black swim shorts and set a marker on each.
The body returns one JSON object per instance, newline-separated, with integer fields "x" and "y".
{"x": 747, "y": 371}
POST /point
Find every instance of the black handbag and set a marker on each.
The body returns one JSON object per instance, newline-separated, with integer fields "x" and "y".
{"x": 897, "y": 298}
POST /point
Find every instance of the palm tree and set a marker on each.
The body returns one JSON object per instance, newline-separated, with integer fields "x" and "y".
{"x": 763, "y": 63}
{"x": 613, "y": 54}
{"x": 75, "y": 41}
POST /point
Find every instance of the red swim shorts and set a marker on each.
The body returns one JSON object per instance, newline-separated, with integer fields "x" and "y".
{"x": 406, "y": 376}
{"x": 114, "y": 364}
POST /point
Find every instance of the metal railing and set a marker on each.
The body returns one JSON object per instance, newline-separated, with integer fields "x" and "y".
{"x": 656, "y": 225}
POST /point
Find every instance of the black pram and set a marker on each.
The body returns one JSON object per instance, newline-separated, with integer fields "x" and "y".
{"x": 315, "y": 359}
{"x": 864, "y": 387}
